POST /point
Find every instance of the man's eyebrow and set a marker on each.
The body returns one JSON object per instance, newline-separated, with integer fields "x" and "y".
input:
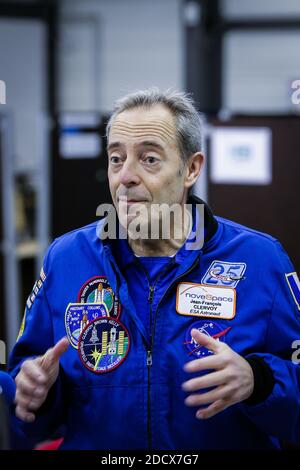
{"x": 114, "y": 145}
{"x": 144, "y": 143}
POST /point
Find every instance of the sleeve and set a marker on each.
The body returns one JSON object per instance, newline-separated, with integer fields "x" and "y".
{"x": 35, "y": 337}
{"x": 279, "y": 414}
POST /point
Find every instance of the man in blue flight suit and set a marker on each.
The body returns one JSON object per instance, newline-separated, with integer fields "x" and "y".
{"x": 155, "y": 342}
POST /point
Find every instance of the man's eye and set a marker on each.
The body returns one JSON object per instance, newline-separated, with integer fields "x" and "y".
{"x": 114, "y": 160}
{"x": 151, "y": 160}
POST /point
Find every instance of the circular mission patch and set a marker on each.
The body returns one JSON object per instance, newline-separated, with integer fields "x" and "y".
{"x": 97, "y": 290}
{"x": 209, "y": 328}
{"x": 103, "y": 345}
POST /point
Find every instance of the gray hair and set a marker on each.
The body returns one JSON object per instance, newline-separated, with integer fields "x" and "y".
{"x": 188, "y": 121}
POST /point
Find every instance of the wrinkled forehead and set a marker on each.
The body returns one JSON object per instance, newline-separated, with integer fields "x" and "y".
{"x": 145, "y": 122}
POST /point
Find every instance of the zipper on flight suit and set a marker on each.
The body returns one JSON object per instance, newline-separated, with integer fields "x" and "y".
{"x": 149, "y": 351}
{"x": 149, "y": 364}
{"x": 149, "y": 346}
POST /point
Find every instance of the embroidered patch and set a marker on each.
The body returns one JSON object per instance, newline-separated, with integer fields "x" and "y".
{"x": 103, "y": 345}
{"x": 200, "y": 300}
{"x": 223, "y": 273}
{"x": 97, "y": 290}
{"x": 42, "y": 274}
{"x": 78, "y": 316}
{"x": 209, "y": 328}
{"x": 294, "y": 285}
{"x": 36, "y": 289}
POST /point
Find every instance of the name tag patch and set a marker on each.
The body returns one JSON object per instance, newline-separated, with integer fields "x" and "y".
{"x": 200, "y": 300}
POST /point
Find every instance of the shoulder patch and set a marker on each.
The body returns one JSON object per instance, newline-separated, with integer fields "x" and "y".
{"x": 294, "y": 285}
{"x": 42, "y": 275}
{"x": 36, "y": 289}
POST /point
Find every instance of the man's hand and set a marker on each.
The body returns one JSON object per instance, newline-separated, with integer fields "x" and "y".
{"x": 35, "y": 379}
{"x": 232, "y": 378}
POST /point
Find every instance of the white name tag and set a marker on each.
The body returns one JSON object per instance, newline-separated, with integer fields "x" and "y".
{"x": 200, "y": 300}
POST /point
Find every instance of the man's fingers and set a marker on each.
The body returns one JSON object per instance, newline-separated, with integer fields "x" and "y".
{"x": 35, "y": 392}
{"x": 27, "y": 386}
{"x": 53, "y": 355}
{"x": 24, "y": 415}
{"x": 212, "y": 410}
{"x": 61, "y": 347}
{"x": 209, "y": 380}
{"x": 32, "y": 370}
{"x": 29, "y": 397}
{"x": 205, "y": 363}
{"x": 34, "y": 380}
{"x": 200, "y": 399}
{"x": 205, "y": 340}
{"x": 29, "y": 403}
{"x": 35, "y": 404}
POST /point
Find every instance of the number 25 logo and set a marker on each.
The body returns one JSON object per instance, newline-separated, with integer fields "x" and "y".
{"x": 222, "y": 273}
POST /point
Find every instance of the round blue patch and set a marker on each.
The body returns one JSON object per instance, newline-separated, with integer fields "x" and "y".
{"x": 209, "y": 328}
{"x": 103, "y": 345}
{"x": 78, "y": 316}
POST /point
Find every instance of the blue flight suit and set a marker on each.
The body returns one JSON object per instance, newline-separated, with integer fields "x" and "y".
{"x": 139, "y": 404}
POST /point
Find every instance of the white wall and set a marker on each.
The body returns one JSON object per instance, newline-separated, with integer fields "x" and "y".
{"x": 23, "y": 69}
{"x": 260, "y": 66}
{"x": 136, "y": 44}
{"x": 260, "y": 8}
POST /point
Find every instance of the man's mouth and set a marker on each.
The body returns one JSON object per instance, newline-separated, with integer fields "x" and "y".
{"x": 136, "y": 200}
{"x": 130, "y": 201}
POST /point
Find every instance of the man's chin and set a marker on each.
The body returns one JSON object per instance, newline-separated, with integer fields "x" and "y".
{"x": 134, "y": 227}
{"x": 128, "y": 219}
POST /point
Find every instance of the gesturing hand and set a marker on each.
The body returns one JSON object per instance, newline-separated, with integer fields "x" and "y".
{"x": 35, "y": 379}
{"x": 232, "y": 378}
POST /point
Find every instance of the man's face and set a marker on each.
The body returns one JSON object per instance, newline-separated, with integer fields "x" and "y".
{"x": 145, "y": 166}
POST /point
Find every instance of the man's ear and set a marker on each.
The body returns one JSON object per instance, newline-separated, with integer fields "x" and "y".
{"x": 194, "y": 166}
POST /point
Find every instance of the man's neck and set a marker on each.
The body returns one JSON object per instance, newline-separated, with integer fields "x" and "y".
{"x": 161, "y": 246}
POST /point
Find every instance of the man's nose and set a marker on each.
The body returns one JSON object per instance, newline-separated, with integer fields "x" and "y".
{"x": 129, "y": 175}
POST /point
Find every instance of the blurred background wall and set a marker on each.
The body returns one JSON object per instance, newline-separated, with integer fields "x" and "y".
{"x": 109, "y": 48}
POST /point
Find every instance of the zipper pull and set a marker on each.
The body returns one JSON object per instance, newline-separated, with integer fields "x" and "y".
{"x": 149, "y": 358}
{"x": 151, "y": 293}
